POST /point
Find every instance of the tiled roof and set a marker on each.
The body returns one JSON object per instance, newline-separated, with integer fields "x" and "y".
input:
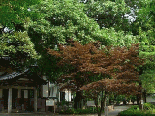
{"x": 12, "y": 75}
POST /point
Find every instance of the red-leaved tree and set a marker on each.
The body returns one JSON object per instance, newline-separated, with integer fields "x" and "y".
{"x": 96, "y": 70}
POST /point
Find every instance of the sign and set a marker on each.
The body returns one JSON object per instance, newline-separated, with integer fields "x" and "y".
{"x": 50, "y": 102}
{"x": 90, "y": 103}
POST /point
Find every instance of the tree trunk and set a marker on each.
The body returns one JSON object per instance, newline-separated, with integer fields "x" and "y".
{"x": 144, "y": 94}
{"x": 103, "y": 103}
{"x": 137, "y": 99}
{"x": 78, "y": 99}
{"x": 140, "y": 97}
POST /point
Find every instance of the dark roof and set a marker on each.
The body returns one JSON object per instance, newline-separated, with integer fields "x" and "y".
{"x": 12, "y": 75}
{"x": 26, "y": 73}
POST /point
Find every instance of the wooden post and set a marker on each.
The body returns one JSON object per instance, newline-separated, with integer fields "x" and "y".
{"x": 10, "y": 101}
{"x": 35, "y": 99}
{"x": 54, "y": 106}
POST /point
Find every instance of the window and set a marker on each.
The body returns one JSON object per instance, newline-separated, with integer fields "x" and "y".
{"x": 62, "y": 96}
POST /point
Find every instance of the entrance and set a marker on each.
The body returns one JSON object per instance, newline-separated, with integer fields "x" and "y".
{"x": 14, "y": 98}
{"x": 27, "y": 96}
{"x": 5, "y": 98}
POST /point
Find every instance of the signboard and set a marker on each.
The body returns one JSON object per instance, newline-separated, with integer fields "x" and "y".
{"x": 90, "y": 103}
{"x": 50, "y": 102}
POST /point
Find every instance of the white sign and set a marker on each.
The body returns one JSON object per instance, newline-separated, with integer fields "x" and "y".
{"x": 50, "y": 102}
{"x": 90, "y": 103}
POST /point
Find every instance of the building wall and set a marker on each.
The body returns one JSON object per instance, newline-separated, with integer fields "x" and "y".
{"x": 45, "y": 89}
{"x": 52, "y": 90}
{"x": 67, "y": 95}
{"x": 150, "y": 99}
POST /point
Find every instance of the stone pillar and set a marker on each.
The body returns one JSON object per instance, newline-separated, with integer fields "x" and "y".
{"x": 35, "y": 99}
{"x": 10, "y": 101}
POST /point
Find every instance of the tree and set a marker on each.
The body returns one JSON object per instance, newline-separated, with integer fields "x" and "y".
{"x": 14, "y": 13}
{"x": 145, "y": 22}
{"x": 111, "y": 69}
{"x": 14, "y": 40}
{"x": 56, "y": 22}
{"x": 18, "y": 47}
{"x": 109, "y": 14}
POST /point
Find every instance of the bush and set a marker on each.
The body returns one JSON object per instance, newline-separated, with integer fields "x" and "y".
{"x": 149, "y": 106}
{"x": 79, "y": 111}
{"x": 134, "y": 111}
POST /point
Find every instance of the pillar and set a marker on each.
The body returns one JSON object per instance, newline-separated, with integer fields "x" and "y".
{"x": 10, "y": 101}
{"x": 35, "y": 99}
{"x": 19, "y": 93}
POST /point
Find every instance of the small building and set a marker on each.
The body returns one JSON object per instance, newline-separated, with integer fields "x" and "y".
{"x": 20, "y": 91}
{"x": 27, "y": 90}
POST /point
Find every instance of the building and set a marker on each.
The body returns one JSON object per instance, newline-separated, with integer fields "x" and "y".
{"x": 20, "y": 91}
{"x": 27, "y": 91}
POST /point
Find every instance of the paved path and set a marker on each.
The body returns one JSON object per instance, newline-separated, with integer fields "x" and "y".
{"x": 115, "y": 112}
{"x": 118, "y": 109}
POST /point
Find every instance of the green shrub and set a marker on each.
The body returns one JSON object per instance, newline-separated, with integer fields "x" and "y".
{"x": 134, "y": 111}
{"x": 79, "y": 111}
{"x": 149, "y": 106}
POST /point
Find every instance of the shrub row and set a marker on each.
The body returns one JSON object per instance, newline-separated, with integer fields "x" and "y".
{"x": 148, "y": 109}
{"x": 79, "y": 111}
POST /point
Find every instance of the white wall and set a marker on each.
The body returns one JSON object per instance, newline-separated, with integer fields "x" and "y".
{"x": 53, "y": 90}
{"x": 68, "y": 95}
{"x": 45, "y": 88}
{"x": 150, "y": 99}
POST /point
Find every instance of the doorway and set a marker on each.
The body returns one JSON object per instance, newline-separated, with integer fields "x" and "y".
{"x": 14, "y": 98}
{"x": 5, "y": 98}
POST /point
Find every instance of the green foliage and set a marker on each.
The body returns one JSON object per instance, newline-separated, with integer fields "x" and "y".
{"x": 135, "y": 111}
{"x": 90, "y": 110}
{"x": 17, "y": 42}
{"x": 15, "y": 11}
{"x": 61, "y": 21}
{"x": 17, "y": 46}
{"x": 108, "y": 13}
{"x": 111, "y": 37}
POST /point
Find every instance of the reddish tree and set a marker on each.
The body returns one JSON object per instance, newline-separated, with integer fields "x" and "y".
{"x": 117, "y": 67}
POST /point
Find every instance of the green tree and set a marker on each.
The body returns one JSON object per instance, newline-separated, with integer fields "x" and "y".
{"x": 146, "y": 23}
{"x": 18, "y": 47}
{"x": 14, "y": 13}
{"x": 109, "y": 14}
